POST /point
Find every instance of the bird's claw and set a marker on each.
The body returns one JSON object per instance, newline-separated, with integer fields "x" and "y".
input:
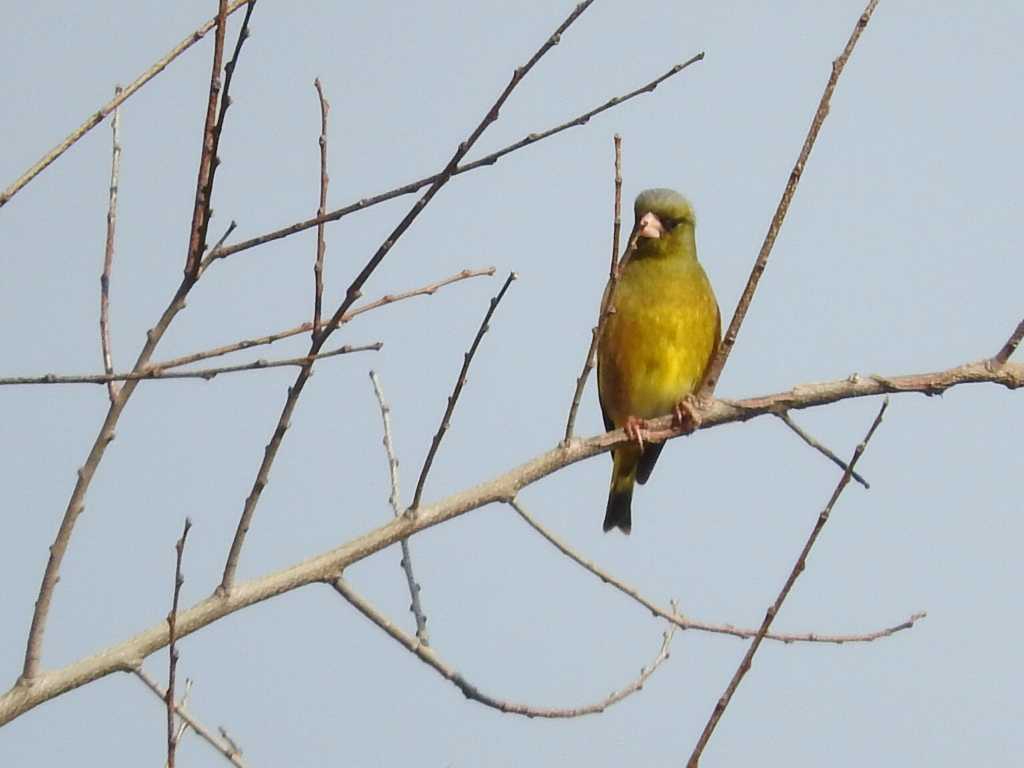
{"x": 636, "y": 430}
{"x": 686, "y": 414}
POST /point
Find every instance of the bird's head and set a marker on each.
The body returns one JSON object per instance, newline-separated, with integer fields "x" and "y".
{"x": 664, "y": 224}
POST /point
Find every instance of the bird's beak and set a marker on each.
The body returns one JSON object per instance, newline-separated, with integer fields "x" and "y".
{"x": 650, "y": 226}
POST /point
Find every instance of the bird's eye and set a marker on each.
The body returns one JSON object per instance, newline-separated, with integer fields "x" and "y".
{"x": 671, "y": 224}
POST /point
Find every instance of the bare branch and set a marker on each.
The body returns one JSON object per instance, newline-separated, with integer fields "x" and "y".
{"x": 722, "y": 354}
{"x": 606, "y": 306}
{"x": 773, "y": 610}
{"x": 100, "y": 114}
{"x": 460, "y": 382}
{"x": 318, "y": 264}
{"x": 428, "y": 656}
{"x": 160, "y": 373}
{"x": 172, "y": 620}
{"x": 428, "y": 290}
{"x": 108, "y": 251}
{"x": 683, "y": 622}
{"x": 355, "y": 291}
{"x": 227, "y": 748}
{"x": 327, "y": 565}
{"x": 487, "y": 160}
{"x": 216, "y": 108}
{"x": 1010, "y": 346}
{"x": 824, "y": 450}
{"x": 396, "y": 506}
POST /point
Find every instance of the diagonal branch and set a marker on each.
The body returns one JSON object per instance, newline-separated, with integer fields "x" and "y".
{"x": 487, "y": 160}
{"x": 429, "y": 657}
{"x": 326, "y": 565}
{"x": 230, "y": 752}
{"x": 100, "y": 114}
{"x": 318, "y": 264}
{"x": 773, "y": 610}
{"x": 718, "y": 361}
{"x": 812, "y": 441}
{"x": 396, "y": 506}
{"x": 355, "y": 291}
{"x": 1010, "y": 346}
{"x": 683, "y": 622}
{"x": 172, "y": 623}
{"x": 460, "y": 382}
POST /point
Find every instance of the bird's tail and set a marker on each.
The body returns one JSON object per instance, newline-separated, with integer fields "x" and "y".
{"x": 620, "y": 495}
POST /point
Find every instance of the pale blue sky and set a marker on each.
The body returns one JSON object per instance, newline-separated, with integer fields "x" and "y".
{"x": 901, "y": 254}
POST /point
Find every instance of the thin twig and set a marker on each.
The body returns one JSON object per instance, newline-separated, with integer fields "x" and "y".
{"x": 487, "y": 160}
{"x": 684, "y": 622}
{"x": 427, "y": 290}
{"x": 318, "y": 264}
{"x": 427, "y": 655}
{"x": 415, "y": 605}
{"x": 100, "y": 114}
{"x": 172, "y": 626}
{"x": 208, "y": 155}
{"x": 823, "y": 449}
{"x": 225, "y": 747}
{"x": 108, "y": 251}
{"x": 326, "y": 565}
{"x": 76, "y": 504}
{"x": 354, "y": 292}
{"x": 460, "y": 382}
{"x": 725, "y": 348}
{"x": 159, "y": 373}
{"x": 606, "y": 305}
{"x": 1010, "y": 346}
{"x": 773, "y": 610}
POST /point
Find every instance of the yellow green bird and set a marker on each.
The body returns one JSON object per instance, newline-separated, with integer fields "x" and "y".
{"x": 657, "y": 343}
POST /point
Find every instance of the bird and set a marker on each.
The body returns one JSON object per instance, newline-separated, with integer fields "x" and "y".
{"x": 660, "y": 334}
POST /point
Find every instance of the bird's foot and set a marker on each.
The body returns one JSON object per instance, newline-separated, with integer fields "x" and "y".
{"x": 636, "y": 430}
{"x": 686, "y": 414}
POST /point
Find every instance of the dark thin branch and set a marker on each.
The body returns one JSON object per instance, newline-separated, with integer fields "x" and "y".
{"x": 225, "y": 747}
{"x": 172, "y": 626}
{"x": 208, "y": 156}
{"x": 415, "y": 605}
{"x": 108, "y": 251}
{"x": 606, "y": 306}
{"x": 318, "y": 264}
{"x": 429, "y": 657}
{"x": 100, "y": 114}
{"x": 1010, "y": 346}
{"x": 460, "y": 382}
{"x": 354, "y": 292}
{"x": 162, "y": 374}
{"x": 487, "y": 160}
{"x": 683, "y": 622}
{"x": 823, "y": 449}
{"x": 725, "y": 348}
{"x": 773, "y": 610}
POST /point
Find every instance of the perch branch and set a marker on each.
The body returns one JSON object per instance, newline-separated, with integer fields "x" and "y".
{"x": 128, "y": 654}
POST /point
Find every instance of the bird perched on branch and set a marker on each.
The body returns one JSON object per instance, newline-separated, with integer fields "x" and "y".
{"x": 657, "y": 341}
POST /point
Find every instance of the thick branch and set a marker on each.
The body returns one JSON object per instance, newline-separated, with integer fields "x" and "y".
{"x": 127, "y": 655}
